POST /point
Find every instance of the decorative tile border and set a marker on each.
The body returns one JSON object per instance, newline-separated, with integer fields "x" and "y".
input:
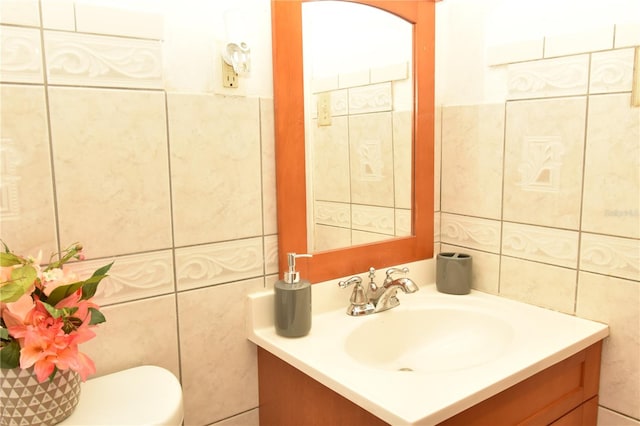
{"x": 271, "y": 254}
{"x": 131, "y": 277}
{"x": 608, "y": 255}
{"x": 211, "y": 264}
{"x": 20, "y": 55}
{"x": 471, "y": 232}
{"x": 334, "y": 214}
{"x": 89, "y": 60}
{"x": 371, "y": 98}
{"x": 373, "y": 219}
{"x": 550, "y": 77}
{"x": 548, "y": 245}
{"x": 611, "y": 71}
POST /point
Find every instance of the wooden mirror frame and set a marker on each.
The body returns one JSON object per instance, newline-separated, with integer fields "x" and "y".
{"x": 288, "y": 90}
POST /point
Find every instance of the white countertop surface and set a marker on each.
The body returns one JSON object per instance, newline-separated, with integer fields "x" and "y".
{"x": 540, "y": 339}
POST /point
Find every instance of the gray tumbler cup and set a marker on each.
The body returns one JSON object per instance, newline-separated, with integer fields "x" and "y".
{"x": 453, "y": 273}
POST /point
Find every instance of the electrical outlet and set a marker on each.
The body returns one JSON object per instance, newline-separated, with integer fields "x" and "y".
{"x": 229, "y": 76}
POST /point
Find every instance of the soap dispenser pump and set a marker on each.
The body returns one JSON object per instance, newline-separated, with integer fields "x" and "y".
{"x": 293, "y": 301}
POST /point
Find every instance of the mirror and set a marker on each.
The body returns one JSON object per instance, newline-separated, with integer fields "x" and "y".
{"x": 289, "y": 103}
{"x": 358, "y": 99}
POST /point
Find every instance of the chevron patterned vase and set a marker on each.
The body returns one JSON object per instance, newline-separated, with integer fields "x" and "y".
{"x": 24, "y": 401}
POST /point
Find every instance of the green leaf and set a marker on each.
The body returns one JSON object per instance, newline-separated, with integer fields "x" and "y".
{"x": 4, "y": 333}
{"x": 57, "y": 313}
{"x": 63, "y": 291}
{"x": 96, "y": 317}
{"x": 10, "y": 259}
{"x": 10, "y": 355}
{"x": 91, "y": 285}
{"x": 21, "y": 280}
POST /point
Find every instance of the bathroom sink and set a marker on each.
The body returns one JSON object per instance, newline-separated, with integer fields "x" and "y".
{"x": 429, "y": 340}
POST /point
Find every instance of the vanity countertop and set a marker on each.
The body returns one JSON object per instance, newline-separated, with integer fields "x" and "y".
{"x": 540, "y": 338}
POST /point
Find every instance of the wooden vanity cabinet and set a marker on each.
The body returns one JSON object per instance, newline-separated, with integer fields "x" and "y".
{"x": 565, "y": 394}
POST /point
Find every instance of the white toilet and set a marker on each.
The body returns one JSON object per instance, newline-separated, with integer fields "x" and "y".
{"x": 146, "y": 395}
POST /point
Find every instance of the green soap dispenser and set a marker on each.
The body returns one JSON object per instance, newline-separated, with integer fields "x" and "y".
{"x": 293, "y": 302}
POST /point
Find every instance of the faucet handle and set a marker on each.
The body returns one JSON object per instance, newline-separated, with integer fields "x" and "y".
{"x": 392, "y": 271}
{"x": 396, "y": 270}
{"x": 353, "y": 280}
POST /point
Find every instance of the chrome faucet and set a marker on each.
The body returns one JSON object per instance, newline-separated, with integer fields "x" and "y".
{"x": 375, "y": 298}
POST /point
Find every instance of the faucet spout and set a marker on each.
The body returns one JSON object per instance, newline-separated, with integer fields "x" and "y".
{"x": 405, "y": 284}
{"x": 388, "y": 299}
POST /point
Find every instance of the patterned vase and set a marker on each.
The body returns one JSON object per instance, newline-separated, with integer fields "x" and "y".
{"x": 24, "y": 401}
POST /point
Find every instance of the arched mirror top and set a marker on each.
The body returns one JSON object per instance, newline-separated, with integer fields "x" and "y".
{"x": 287, "y": 29}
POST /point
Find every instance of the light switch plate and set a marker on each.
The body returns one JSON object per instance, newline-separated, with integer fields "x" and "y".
{"x": 324, "y": 109}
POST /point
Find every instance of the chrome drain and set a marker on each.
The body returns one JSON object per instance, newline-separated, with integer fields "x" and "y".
{"x": 405, "y": 369}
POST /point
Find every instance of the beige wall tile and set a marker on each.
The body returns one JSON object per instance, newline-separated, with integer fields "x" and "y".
{"x": 58, "y": 14}
{"x": 331, "y": 180}
{"x": 19, "y": 12}
{"x": 219, "y": 365}
{"x": 143, "y": 332}
{"x": 437, "y": 158}
{"x": 543, "y": 162}
{"x": 538, "y": 284}
{"x": 615, "y": 302}
{"x": 371, "y": 152}
{"x": 472, "y": 154}
{"x": 402, "y": 161}
{"x": 215, "y": 167}
{"x": 267, "y": 138}
{"x": 588, "y": 40}
{"x": 612, "y": 167}
{"x": 112, "y": 179}
{"x": 26, "y": 193}
{"x": 330, "y": 237}
{"x": 115, "y": 19}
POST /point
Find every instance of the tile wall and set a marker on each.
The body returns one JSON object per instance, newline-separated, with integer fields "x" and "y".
{"x": 544, "y": 191}
{"x": 361, "y": 144}
{"x": 178, "y": 188}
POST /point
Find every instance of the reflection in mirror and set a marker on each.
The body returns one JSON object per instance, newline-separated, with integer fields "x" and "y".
{"x": 358, "y": 95}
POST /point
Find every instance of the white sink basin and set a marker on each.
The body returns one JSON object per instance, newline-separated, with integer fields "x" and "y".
{"x": 429, "y": 340}
{"x": 461, "y": 350}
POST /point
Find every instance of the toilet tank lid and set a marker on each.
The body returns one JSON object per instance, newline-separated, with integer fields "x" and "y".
{"x": 137, "y": 396}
